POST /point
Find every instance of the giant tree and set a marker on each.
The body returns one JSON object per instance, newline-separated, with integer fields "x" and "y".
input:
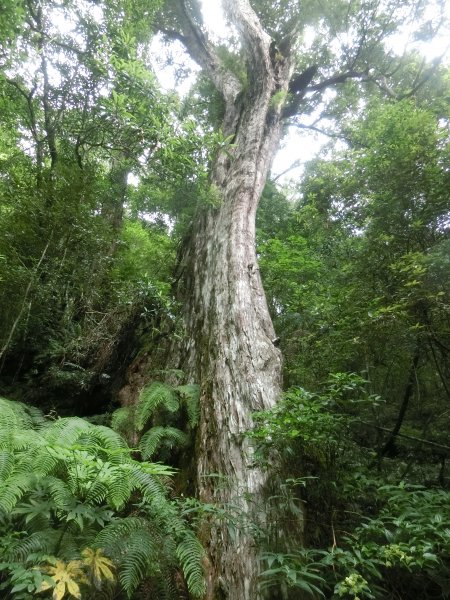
{"x": 268, "y": 71}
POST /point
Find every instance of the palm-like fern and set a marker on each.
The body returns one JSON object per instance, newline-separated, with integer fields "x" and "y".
{"x": 159, "y": 400}
{"x": 157, "y": 436}
{"x": 61, "y": 485}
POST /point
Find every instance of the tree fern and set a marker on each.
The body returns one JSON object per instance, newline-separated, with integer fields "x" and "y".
{"x": 123, "y": 420}
{"x": 157, "y": 436}
{"x": 61, "y": 483}
{"x": 190, "y": 552}
{"x": 152, "y": 397}
{"x": 15, "y": 415}
{"x": 190, "y": 395}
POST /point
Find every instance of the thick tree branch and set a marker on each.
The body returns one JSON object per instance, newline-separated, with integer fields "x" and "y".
{"x": 295, "y": 165}
{"x": 329, "y": 134}
{"x": 339, "y": 78}
{"x": 256, "y": 41}
{"x": 193, "y": 37}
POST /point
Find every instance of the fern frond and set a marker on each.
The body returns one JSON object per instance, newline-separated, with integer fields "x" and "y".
{"x": 190, "y": 394}
{"x": 103, "y": 437}
{"x": 122, "y": 419}
{"x": 112, "y": 537}
{"x": 44, "y": 462}
{"x": 18, "y": 439}
{"x": 152, "y": 397}
{"x": 59, "y": 492}
{"x": 14, "y": 488}
{"x": 37, "y": 417}
{"x": 38, "y": 542}
{"x": 97, "y": 493}
{"x": 190, "y": 553}
{"x": 65, "y": 431}
{"x": 150, "y": 486}
{"x": 156, "y": 436}
{"x": 7, "y": 462}
{"x": 15, "y": 415}
{"x": 119, "y": 489}
{"x": 140, "y": 560}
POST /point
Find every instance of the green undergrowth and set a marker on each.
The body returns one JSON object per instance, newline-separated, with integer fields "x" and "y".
{"x": 370, "y": 534}
{"x": 82, "y": 516}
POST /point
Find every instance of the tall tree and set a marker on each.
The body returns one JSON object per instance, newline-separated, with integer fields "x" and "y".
{"x": 265, "y": 75}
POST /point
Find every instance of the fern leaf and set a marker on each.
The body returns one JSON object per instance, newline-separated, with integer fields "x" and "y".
{"x": 14, "y": 488}
{"x": 37, "y": 417}
{"x": 190, "y": 553}
{"x": 7, "y": 462}
{"x": 119, "y": 489}
{"x": 152, "y": 397}
{"x": 97, "y": 493}
{"x": 14, "y": 415}
{"x": 152, "y": 440}
{"x": 140, "y": 560}
{"x": 59, "y": 492}
{"x": 103, "y": 437}
{"x": 19, "y": 439}
{"x": 122, "y": 419}
{"x": 65, "y": 431}
{"x": 150, "y": 486}
{"x": 39, "y": 542}
{"x": 111, "y": 536}
{"x": 190, "y": 394}
{"x": 44, "y": 462}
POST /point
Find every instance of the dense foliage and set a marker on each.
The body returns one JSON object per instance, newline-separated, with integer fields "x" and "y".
{"x": 100, "y": 176}
{"x": 357, "y": 275}
{"x": 80, "y": 515}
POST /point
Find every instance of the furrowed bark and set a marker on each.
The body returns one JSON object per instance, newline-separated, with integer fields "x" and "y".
{"x": 231, "y": 353}
{"x": 229, "y": 348}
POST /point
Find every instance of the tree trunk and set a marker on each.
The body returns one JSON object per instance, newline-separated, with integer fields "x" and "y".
{"x": 230, "y": 349}
{"x": 229, "y": 337}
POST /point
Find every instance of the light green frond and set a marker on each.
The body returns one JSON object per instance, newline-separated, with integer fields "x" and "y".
{"x": 152, "y": 397}
{"x": 119, "y": 489}
{"x": 157, "y": 436}
{"x": 7, "y": 462}
{"x": 104, "y": 437}
{"x": 150, "y": 486}
{"x": 190, "y": 553}
{"x": 59, "y": 492}
{"x": 14, "y": 415}
{"x": 97, "y": 493}
{"x": 190, "y": 394}
{"x": 122, "y": 420}
{"x": 19, "y": 439}
{"x": 44, "y": 462}
{"x": 37, "y": 417}
{"x": 65, "y": 431}
{"x": 141, "y": 559}
{"x": 14, "y": 488}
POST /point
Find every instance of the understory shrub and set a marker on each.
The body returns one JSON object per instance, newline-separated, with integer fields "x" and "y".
{"x": 81, "y": 517}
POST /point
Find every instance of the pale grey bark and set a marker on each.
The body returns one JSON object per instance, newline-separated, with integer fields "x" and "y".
{"x": 229, "y": 335}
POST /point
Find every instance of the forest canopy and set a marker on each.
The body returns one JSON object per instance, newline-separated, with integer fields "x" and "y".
{"x": 219, "y": 380}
